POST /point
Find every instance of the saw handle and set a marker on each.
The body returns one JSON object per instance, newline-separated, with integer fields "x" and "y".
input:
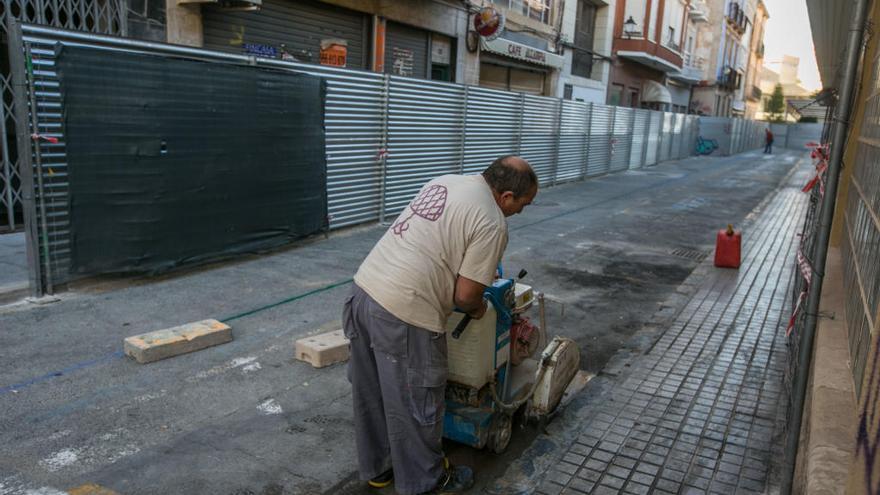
{"x": 461, "y": 326}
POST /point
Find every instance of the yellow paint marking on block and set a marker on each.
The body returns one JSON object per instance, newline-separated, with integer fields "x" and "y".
{"x": 169, "y": 342}
{"x": 91, "y": 489}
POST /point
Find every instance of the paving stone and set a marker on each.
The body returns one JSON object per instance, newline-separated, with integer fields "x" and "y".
{"x": 580, "y": 486}
{"x": 612, "y": 481}
{"x": 596, "y": 465}
{"x": 567, "y": 468}
{"x": 668, "y": 485}
{"x": 671, "y": 474}
{"x": 574, "y": 458}
{"x": 636, "y": 488}
{"x": 602, "y": 456}
{"x": 624, "y": 462}
{"x": 589, "y": 474}
{"x": 550, "y": 488}
{"x": 647, "y": 468}
{"x": 559, "y": 477}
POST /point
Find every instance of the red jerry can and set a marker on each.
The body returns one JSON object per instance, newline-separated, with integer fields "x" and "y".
{"x": 728, "y": 245}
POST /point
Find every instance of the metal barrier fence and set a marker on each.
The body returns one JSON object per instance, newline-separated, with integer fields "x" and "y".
{"x": 385, "y": 137}
{"x": 96, "y": 16}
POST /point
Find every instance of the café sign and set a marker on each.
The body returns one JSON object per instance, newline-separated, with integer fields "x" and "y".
{"x": 526, "y": 53}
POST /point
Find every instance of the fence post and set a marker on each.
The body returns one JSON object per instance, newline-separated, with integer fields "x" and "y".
{"x": 35, "y": 127}
{"x": 632, "y": 139}
{"x": 463, "y": 142}
{"x": 645, "y": 139}
{"x": 519, "y": 128}
{"x": 587, "y": 138}
{"x": 611, "y": 140}
{"x": 383, "y": 146}
{"x": 18, "y": 81}
{"x": 555, "y": 168}
{"x": 660, "y": 135}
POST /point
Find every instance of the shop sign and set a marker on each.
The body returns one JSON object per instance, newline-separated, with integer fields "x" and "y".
{"x": 519, "y": 51}
{"x": 489, "y": 23}
{"x": 334, "y": 52}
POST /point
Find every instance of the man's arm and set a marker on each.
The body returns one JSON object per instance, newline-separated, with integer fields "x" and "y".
{"x": 469, "y": 297}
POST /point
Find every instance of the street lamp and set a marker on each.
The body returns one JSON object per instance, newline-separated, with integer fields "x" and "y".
{"x": 629, "y": 27}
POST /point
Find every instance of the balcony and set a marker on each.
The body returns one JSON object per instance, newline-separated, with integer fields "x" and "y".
{"x": 692, "y": 72}
{"x": 658, "y": 57}
{"x": 736, "y": 18}
{"x": 756, "y": 93}
{"x": 699, "y": 11}
{"x": 730, "y": 79}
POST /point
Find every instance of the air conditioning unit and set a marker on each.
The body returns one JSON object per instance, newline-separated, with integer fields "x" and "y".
{"x": 242, "y": 5}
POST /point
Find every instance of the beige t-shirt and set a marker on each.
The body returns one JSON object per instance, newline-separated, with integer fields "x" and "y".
{"x": 452, "y": 227}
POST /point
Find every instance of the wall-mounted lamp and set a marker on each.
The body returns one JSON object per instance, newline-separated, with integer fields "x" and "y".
{"x": 630, "y": 28}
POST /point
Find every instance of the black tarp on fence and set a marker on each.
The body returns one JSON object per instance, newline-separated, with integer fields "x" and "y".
{"x": 176, "y": 161}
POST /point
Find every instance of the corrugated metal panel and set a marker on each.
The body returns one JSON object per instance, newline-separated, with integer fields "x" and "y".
{"x": 54, "y": 241}
{"x": 538, "y": 145}
{"x": 641, "y": 127}
{"x": 621, "y": 140}
{"x": 654, "y": 136}
{"x": 406, "y": 51}
{"x": 425, "y": 125}
{"x": 677, "y": 129}
{"x": 300, "y": 26}
{"x": 493, "y": 123}
{"x": 573, "y": 134}
{"x": 599, "y": 160}
{"x": 666, "y": 139}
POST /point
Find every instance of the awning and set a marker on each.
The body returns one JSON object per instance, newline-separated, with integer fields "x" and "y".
{"x": 522, "y": 52}
{"x": 654, "y": 92}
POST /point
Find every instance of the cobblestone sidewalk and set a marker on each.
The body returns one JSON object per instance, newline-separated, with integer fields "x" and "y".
{"x": 698, "y": 413}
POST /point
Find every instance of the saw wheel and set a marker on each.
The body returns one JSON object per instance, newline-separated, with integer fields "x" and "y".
{"x": 500, "y": 431}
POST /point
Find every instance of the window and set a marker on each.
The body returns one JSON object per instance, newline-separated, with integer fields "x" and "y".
{"x": 538, "y": 10}
{"x": 585, "y": 27}
{"x": 671, "y": 40}
{"x": 615, "y": 95}
{"x": 568, "y": 91}
{"x": 634, "y": 97}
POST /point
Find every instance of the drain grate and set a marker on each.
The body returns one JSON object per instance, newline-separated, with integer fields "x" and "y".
{"x": 691, "y": 254}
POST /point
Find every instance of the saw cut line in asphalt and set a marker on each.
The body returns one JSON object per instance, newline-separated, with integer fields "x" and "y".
{"x": 90, "y": 363}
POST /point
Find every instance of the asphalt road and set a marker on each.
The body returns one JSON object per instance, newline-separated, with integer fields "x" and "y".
{"x": 245, "y": 417}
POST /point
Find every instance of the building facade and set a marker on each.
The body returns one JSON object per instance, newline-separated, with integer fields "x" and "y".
{"x": 429, "y": 39}
{"x": 586, "y": 38}
{"x": 649, "y": 47}
{"x": 729, "y": 45}
{"x": 752, "y": 87}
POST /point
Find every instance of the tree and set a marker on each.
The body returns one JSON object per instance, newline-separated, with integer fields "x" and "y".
{"x": 775, "y": 106}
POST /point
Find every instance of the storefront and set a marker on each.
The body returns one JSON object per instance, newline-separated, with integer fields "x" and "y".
{"x": 414, "y": 52}
{"x": 512, "y": 66}
{"x": 305, "y": 30}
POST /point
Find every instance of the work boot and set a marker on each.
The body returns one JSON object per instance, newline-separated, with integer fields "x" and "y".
{"x": 456, "y": 479}
{"x": 382, "y": 480}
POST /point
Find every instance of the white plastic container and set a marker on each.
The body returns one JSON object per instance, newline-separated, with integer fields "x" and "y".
{"x": 472, "y": 357}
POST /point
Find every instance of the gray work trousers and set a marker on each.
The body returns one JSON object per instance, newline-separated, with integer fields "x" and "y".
{"x": 398, "y": 378}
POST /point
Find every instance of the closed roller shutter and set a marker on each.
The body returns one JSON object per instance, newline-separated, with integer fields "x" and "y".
{"x": 406, "y": 51}
{"x": 298, "y": 25}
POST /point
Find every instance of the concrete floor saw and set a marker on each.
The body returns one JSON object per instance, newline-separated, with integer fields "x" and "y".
{"x": 502, "y": 363}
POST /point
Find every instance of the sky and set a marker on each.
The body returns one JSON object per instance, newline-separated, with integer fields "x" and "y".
{"x": 788, "y": 33}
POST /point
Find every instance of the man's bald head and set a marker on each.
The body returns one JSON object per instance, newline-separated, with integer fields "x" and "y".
{"x": 511, "y": 173}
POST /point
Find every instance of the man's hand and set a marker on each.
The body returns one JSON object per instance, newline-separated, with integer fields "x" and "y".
{"x": 469, "y": 297}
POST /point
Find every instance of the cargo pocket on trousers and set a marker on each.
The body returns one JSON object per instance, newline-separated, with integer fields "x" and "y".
{"x": 427, "y": 387}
